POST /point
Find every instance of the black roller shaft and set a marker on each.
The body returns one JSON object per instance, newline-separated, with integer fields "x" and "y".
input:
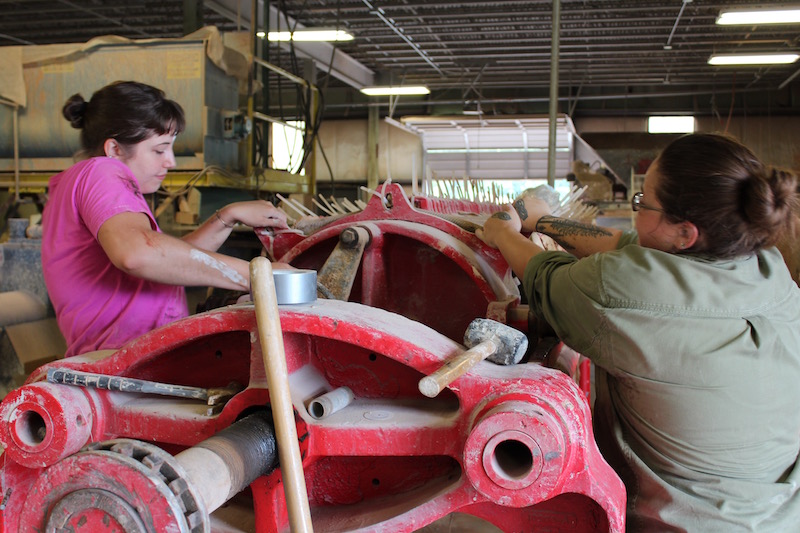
{"x": 248, "y": 447}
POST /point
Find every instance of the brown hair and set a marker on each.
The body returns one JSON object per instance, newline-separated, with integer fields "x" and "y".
{"x": 738, "y": 204}
{"x": 126, "y": 111}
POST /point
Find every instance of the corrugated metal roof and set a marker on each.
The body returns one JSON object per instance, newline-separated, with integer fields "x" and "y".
{"x": 626, "y": 54}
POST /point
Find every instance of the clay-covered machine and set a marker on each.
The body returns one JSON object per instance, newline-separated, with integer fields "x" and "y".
{"x": 93, "y": 444}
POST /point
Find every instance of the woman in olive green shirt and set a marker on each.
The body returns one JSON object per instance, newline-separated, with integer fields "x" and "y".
{"x": 693, "y": 322}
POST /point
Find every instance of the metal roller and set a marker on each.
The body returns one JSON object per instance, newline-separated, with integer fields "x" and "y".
{"x": 295, "y": 286}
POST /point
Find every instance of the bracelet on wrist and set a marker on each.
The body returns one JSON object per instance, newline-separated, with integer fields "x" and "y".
{"x": 230, "y": 226}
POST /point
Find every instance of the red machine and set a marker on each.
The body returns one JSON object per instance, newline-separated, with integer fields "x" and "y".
{"x": 415, "y": 263}
{"x": 422, "y": 261}
{"x": 511, "y": 445}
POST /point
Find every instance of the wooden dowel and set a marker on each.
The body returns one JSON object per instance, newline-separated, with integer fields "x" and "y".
{"x": 262, "y": 287}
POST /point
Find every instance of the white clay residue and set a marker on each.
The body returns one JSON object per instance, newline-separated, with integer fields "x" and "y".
{"x": 223, "y": 269}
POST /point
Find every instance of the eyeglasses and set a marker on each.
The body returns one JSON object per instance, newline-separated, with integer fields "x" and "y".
{"x": 637, "y": 204}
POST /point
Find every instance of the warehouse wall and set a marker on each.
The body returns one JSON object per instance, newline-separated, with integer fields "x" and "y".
{"x": 621, "y": 141}
{"x": 624, "y": 144}
{"x": 345, "y": 144}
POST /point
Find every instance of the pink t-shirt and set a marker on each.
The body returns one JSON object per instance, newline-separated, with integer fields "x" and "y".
{"x": 97, "y": 305}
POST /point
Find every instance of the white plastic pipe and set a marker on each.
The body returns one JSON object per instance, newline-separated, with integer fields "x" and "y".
{"x": 330, "y": 402}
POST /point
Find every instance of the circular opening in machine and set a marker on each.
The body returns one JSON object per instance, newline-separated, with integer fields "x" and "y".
{"x": 316, "y": 409}
{"x": 31, "y": 428}
{"x": 512, "y": 459}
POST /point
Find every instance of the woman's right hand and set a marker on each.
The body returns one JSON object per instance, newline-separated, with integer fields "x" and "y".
{"x": 530, "y": 209}
{"x": 506, "y": 220}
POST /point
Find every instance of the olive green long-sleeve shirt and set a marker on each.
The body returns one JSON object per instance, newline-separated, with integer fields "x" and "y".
{"x": 698, "y": 381}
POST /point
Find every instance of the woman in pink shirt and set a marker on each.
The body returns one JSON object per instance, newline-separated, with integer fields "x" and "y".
{"x": 110, "y": 272}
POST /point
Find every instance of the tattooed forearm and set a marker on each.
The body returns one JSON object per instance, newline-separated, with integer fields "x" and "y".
{"x": 519, "y": 205}
{"x": 561, "y": 229}
{"x": 502, "y": 215}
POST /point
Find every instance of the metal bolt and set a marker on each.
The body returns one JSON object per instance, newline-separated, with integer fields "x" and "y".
{"x": 349, "y": 237}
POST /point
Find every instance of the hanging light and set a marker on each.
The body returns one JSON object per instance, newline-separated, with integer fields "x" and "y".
{"x": 399, "y": 90}
{"x": 753, "y": 59}
{"x": 307, "y": 34}
{"x": 670, "y": 124}
{"x": 761, "y": 16}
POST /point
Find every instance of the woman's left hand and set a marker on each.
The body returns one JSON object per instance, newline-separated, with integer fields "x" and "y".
{"x": 255, "y": 213}
{"x": 506, "y": 220}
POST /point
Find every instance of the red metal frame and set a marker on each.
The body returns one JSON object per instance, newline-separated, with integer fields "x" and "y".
{"x": 510, "y": 444}
{"x": 417, "y": 264}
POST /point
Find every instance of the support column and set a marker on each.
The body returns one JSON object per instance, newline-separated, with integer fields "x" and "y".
{"x": 310, "y": 75}
{"x": 554, "y": 53}
{"x": 372, "y": 146}
{"x": 192, "y": 16}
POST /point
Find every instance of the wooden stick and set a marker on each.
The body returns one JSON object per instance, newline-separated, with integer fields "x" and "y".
{"x": 290, "y": 205}
{"x": 335, "y": 205}
{"x": 456, "y": 367}
{"x": 414, "y": 191}
{"x": 262, "y": 287}
{"x": 350, "y": 206}
{"x": 299, "y": 207}
{"x": 324, "y": 201}
{"x": 321, "y": 207}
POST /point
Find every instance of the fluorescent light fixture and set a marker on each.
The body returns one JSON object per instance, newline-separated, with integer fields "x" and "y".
{"x": 752, "y": 17}
{"x": 752, "y": 59}
{"x": 404, "y": 90}
{"x": 307, "y": 34}
{"x": 670, "y": 125}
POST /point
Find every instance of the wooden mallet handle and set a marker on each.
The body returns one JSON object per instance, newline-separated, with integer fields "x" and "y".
{"x": 262, "y": 288}
{"x": 456, "y": 367}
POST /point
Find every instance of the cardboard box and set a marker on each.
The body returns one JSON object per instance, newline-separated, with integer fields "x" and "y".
{"x": 37, "y": 343}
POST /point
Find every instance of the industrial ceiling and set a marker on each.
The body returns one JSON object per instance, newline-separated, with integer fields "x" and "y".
{"x": 613, "y": 55}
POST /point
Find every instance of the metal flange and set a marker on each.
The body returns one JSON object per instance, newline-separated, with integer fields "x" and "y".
{"x": 133, "y": 484}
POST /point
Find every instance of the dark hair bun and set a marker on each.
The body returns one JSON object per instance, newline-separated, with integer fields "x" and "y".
{"x": 74, "y": 110}
{"x": 769, "y": 202}
{"x": 784, "y": 187}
